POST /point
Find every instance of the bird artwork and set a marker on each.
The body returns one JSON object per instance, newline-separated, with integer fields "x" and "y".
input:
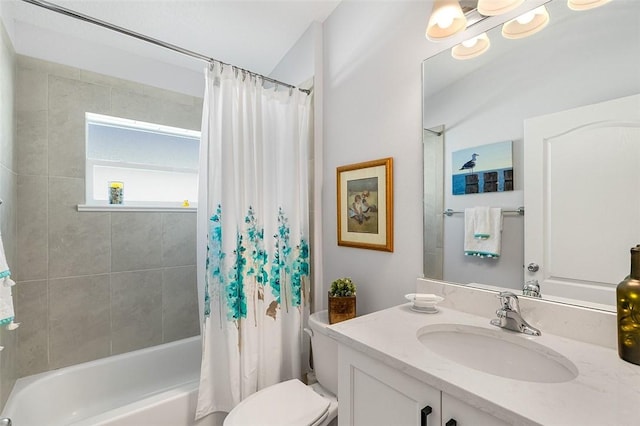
{"x": 482, "y": 168}
{"x": 471, "y": 164}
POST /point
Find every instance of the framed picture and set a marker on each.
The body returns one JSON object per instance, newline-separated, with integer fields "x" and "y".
{"x": 365, "y": 205}
{"x": 484, "y": 168}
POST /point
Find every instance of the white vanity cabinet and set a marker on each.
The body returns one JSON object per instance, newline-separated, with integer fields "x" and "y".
{"x": 372, "y": 393}
{"x": 466, "y": 415}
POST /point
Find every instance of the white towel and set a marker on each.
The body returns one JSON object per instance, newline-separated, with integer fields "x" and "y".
{"x": 6, "y": 299}
{"x": 486, "y": 247}
{"x": 482, "y": 223}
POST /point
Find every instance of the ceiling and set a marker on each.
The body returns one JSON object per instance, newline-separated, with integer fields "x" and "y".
{"x": 253, "y": 35}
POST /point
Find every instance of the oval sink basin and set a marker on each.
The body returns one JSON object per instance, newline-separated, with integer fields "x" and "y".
{"x": 497, "y": 352}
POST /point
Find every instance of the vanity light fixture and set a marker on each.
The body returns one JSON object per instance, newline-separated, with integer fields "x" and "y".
{"x": 471, "y": 48}
{"x": 446, "y": 20}
{"x": 497, "y": 7}
{"x": 526, "y": 24}
{"x": 585, "y": 4}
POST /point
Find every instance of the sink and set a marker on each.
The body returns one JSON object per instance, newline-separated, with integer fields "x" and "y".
{"x": 498, "y": 352}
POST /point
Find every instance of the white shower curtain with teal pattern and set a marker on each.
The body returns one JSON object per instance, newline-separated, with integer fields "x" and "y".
{"x": 253, "y": 225}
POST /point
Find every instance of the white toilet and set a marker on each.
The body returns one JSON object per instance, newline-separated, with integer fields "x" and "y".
{"x": 292, "y": 403}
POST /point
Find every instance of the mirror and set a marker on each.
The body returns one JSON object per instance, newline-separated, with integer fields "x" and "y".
{"x": 579, "y": 59}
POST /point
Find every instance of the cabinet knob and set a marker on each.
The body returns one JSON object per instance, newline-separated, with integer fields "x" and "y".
{"x": 451, "y": 422}
{"x": 423, "y": 415}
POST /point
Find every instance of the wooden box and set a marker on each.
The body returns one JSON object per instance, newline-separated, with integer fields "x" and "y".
{"x": 341, "y": 308}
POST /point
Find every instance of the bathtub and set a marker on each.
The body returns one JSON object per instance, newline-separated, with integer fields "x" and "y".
{"x": 152, "y": 386}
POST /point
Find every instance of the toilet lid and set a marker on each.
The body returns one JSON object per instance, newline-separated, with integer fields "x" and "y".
{"x": 287, "y": 403}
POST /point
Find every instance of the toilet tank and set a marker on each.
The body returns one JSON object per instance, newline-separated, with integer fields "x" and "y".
{"x": 325, "y": 352}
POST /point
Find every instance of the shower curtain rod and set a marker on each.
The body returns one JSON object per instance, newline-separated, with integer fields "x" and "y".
{"x": 77, "y": 15}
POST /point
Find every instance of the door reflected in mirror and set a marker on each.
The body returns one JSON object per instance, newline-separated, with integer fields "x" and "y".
{"x": 579, "y": 59}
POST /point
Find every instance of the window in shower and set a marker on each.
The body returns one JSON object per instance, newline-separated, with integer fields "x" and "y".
{"x": 151, "y": 166}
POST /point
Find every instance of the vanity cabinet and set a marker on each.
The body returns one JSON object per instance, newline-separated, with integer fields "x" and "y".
{"x": 372, "y": 393}
{"x": 466, "y": 415}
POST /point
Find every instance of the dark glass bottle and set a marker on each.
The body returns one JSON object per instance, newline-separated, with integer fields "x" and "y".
{"x": 628, "y": 297}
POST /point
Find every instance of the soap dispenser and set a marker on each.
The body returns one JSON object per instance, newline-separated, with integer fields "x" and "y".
{"x": 628, "y": 306}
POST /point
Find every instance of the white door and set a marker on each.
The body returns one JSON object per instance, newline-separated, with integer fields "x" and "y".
{"x": 582, "y": 198}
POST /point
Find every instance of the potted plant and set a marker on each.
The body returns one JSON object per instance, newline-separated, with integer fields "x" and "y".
{"x": 342, "y": 300}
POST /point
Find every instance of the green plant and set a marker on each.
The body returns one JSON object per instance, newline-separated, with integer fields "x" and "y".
{"x": 342, "y": 287}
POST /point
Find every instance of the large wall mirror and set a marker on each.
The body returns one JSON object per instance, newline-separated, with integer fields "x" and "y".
{"x": 580, "y": 59}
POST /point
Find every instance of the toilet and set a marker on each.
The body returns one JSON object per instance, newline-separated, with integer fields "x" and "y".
{"x": 292, "y": 403}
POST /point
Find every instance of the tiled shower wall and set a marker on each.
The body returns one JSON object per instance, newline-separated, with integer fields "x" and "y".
{"x": 8, "y": 179}
{"x": 92, "y": 284}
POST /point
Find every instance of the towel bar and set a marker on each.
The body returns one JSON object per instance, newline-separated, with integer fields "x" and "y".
{"x": 519, "y": 211}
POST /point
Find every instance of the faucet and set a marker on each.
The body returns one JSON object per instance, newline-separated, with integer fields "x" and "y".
{"x": 531, "y": 288}
{"x": 509, "y": 315}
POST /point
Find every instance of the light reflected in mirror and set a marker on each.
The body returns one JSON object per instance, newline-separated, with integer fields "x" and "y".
{"x": 579, "y": 59}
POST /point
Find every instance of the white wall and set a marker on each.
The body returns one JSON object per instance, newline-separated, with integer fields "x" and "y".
{"x": 300, "y": 63}
{"x": 372, "y": 68}
{"x": 79, "y": 53}
{"x": 6, "y": 15}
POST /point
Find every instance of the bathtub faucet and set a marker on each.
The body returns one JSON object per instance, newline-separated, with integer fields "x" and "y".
{"x": 6, "y": 421}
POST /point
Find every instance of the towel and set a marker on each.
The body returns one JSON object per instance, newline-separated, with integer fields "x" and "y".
{"x": 482, "y": 223}
{"x": 6, "y": 299}
{"x": 483, "y": 247}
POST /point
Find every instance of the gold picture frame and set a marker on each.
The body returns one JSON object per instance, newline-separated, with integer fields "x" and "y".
{"x": 365, "y": 205}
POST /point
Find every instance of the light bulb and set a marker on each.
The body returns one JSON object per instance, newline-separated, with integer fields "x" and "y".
{"x": 445, "y": 20}
{"x": 526, "y": 18}
{"x": 472, "y": 47}
{"x": 526, "y": 24}
{"x": 471, "y": 42}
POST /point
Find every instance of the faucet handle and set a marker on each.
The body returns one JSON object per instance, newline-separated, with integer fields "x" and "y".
{"x": 509, "y": 300}
{"x": 531, "y": 288}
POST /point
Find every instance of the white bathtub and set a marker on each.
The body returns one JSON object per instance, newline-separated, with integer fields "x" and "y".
{"x": 153, "y": 386}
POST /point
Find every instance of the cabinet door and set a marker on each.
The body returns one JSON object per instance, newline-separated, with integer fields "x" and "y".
{"x": 458, "y": 413}
{"x": 371, "y": 393}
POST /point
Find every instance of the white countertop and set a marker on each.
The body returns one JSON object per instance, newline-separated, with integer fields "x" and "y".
{"x": 605, "y": 392}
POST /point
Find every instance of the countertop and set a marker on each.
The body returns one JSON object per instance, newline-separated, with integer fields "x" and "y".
{"x": 605, "y": 392}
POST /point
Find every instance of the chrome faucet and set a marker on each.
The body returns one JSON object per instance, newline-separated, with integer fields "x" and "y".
{"x": 531, "y": 288}
{"x": 509, "y": 315}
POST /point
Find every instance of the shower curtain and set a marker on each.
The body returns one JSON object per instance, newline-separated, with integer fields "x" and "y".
{"x": 253, "y": 226}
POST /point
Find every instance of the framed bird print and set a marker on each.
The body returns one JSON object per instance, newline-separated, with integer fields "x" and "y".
{"x": 484, "y": 168}
{"x": 365, "y": 205}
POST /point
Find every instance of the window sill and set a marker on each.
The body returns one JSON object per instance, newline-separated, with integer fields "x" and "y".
{"x": 125, "y": 208}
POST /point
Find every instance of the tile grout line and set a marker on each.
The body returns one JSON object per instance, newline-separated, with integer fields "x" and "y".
{"x": 47, "y": 240}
